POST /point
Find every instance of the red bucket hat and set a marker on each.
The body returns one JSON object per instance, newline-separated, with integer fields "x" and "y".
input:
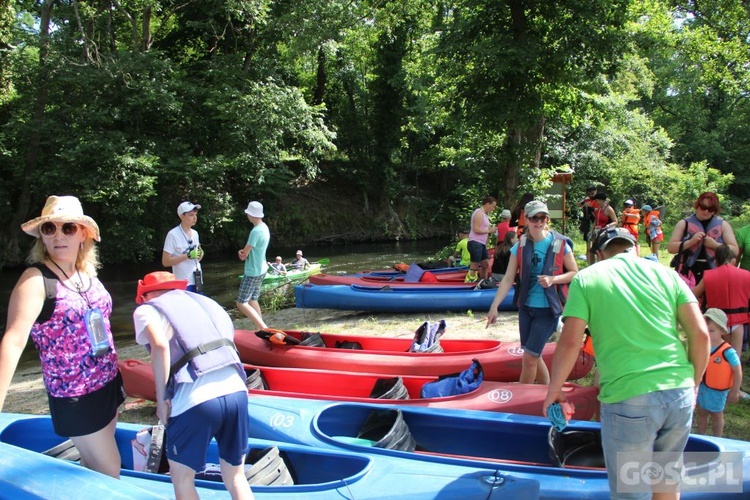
{"x": 158, "y": 280}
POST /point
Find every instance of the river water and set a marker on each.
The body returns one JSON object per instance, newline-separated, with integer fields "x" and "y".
{"x": 221, "y": 276}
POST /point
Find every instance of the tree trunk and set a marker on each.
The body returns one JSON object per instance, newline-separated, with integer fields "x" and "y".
{"x": 322, "y": 78}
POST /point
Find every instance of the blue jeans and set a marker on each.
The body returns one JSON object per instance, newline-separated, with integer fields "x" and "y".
{"x": 536, "y": 325}
{"x": 656, "y": 421}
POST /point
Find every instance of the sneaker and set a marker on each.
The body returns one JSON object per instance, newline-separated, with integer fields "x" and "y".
{"x": 487, "y": 284}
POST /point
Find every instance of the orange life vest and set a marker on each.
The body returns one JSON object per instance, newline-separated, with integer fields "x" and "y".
{"x": 630, "y": 218}
{"x": 521, "y": 224}
{"x": 719, "y": 374}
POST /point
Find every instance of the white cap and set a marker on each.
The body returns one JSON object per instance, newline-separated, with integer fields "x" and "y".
{"x": 629, "y": 202}
{"x": 186, "y": 207}
{"x": 505, "y": 214}
{"x": 254, "y": 209}
{"x": 299, "y": 252}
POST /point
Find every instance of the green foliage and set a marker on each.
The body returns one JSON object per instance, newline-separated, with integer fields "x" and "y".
{"x": 413, "y": 109}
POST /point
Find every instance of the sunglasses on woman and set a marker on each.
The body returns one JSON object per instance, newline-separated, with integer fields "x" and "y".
{"x": 538, "y": 218}
{"x": 50, "y": 228}
{"x": 707, "y": 209}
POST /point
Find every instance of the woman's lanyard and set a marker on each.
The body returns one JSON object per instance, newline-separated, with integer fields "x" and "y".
{"x": 78, "y": 286}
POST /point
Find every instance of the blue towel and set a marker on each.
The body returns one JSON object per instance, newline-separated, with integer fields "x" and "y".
{"x": 555, "y": 415}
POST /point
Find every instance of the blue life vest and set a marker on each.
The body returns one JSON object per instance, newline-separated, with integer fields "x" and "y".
{"x": 197, "y": 346}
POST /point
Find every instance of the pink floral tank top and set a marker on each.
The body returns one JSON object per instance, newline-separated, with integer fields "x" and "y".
{"x": 69, "y": 368}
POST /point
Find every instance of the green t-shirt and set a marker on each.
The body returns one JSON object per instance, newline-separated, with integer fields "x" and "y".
{"x": 256, "y": 264}
{"x": 630, "y": 305}
{"x": 464, "y": 249}
{"x": 743, "y": 241}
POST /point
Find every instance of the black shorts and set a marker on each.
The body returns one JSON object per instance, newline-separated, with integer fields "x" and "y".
{"x": 87, "y": 414}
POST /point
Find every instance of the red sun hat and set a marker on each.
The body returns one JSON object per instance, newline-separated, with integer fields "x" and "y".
{"x": 158, "y": 280}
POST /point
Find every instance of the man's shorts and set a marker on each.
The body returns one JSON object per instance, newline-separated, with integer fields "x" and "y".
{"x": 250, "y": 288}
{"x": 225, "y": 418}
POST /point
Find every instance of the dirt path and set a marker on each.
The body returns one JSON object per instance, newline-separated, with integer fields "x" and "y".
{"x": 27, "y": 394}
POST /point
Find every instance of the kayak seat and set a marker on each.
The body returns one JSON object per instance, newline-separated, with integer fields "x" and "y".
{"x": 348, "y": 344}
{"x": 263, "y": 467}
{"x": 389, "y": 388}
{"x": 64, "y": 451}
{"x": 275, "y": 336}
{"x": 269, "y": 468}
{"x": 413, "y": 274}
{"x": 310, "y": 339}
{"x": 576, "y": 448}
{"x": 256, "y": 380}
{"x": 388, "y": 429}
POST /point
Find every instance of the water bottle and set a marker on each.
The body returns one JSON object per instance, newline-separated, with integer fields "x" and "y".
{"x": 98, "y": 337}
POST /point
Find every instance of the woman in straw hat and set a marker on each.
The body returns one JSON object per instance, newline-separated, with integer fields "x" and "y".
{"x": 61, "y": 304}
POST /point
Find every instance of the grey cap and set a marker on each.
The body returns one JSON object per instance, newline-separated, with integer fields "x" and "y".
{"x": 535, "y": 207}
{"x": 607, "y": 236}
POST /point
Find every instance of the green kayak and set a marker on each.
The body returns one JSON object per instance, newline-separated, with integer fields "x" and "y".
{"x": 295, "y": 275}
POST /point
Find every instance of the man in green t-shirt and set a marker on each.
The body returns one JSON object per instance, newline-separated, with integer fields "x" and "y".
{"x": 648, "y": 377}
{"x": 743, "y": 242}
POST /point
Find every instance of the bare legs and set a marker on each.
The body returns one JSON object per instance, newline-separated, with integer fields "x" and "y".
{"x": 233, "y": 476}
{"x": 99, "y": 451}
{"x": 251, "y": 309}
{"x": 717, "y": 421}
{"x": 533, "y": 370}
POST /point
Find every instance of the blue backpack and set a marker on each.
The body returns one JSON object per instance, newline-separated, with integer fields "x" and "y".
{"x": 458, "y": 383}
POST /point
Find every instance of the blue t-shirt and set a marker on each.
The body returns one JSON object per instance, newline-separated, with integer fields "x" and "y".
{"x": 256, "y": 264}
{"x": 536, "y": 297}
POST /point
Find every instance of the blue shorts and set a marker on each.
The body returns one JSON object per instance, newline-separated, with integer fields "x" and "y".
{"x": 536, "y": 325}
{"x": 224, "y": 418}
{"x": 250, "y": 288}
{"x": 656, "y": 421}
{"x": 711, "y": 399}
{"x": 477, "y": 251}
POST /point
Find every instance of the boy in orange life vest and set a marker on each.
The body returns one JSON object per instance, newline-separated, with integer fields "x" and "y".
{"x": 721, "y": 382}
{"x": 654, "y": 234}
{"x": 629, "y": 220}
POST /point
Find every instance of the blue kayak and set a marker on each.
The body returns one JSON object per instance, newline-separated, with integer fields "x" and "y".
{"x": 402, "y": 299}
{"x": 315, "y": 473}
{"x": 568, "y": 465}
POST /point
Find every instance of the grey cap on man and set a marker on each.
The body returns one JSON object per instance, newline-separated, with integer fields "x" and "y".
{"x": 608, "y": 235}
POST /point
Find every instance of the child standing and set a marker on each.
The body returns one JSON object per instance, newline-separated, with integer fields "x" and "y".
{"x": 721, "y": 382}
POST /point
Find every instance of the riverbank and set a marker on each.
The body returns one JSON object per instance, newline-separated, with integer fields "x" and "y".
{"x": 27, "y": 394}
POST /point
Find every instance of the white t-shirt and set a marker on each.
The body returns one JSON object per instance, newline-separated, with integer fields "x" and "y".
{"x": 176, "y": 243}
{"x": 208, "y": 386}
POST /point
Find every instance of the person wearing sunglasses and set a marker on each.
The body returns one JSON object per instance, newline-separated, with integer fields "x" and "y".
{"x": 698, "y": 236}
{"x": 63, "y": 306}
{"x": 545, "y": 265}
{"x": 182, "y": 248}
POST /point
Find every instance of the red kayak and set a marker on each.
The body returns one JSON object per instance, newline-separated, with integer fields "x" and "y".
{"x": 452, "y": 280}
{"x": 508, "y": 397}
{"x": 389, "y": 355}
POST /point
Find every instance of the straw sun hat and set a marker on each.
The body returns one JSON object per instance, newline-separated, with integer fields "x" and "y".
{"x": 62, "y": 209}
